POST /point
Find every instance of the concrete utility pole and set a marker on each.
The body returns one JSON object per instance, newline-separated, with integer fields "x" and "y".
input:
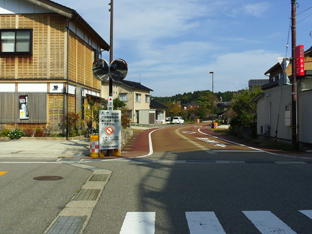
{"x": 294, "y": 80}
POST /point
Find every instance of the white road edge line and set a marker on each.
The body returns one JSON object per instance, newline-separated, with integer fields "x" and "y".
{"x": 232, "y": 142}
{"x": 249, "y": 146}
{"x": 151, "y": 151}
{"x": 29, "y": 162}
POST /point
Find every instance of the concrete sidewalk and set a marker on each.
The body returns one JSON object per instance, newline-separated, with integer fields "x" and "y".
{"x": 35, "y": 148}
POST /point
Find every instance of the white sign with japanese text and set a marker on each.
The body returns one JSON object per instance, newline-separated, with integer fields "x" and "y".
{"x": 109, "y": 129}
{"x": 110, "y": 104}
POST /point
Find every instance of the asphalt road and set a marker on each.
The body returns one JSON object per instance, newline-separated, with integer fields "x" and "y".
{"x": 28, "y": 206}
{"x": 178, "y": 179}
{"x": 191, "y": 185}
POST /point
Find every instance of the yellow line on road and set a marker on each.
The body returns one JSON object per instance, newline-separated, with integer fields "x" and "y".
{"x": 3, "y": 172}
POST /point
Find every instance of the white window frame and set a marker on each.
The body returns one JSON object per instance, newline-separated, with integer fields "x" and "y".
{"x": 147, "y": 98}
{"x": 123, "y": 97}
{"x": 138, "y": 97}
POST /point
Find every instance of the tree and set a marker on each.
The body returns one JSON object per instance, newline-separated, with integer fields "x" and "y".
{"x": 118, "y": 104}
{"x": 246, "y": 111}
{"x": 174, "y": 109}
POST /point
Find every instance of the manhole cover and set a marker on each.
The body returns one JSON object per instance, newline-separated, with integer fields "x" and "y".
{"x": 48, "y": 178}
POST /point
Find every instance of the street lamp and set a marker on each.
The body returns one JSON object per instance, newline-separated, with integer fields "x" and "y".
{"x": 212, "y": 123}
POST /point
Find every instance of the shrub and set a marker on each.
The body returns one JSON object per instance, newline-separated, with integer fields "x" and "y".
{"x": 15, "y": 134}
{"x": 39, "y": 133}
{"x": 28, "y": 132}
{"x": 4, "y": 132}
{"x": 72, "y": 123}
{"x": 125, "y": 121}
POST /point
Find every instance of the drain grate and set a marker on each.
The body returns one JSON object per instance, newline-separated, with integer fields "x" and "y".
{"x": 48, "y": 178}
{"x": 87, "y": 195}
{"x": 99, "y": 177}
{"x": 68, "y": 224}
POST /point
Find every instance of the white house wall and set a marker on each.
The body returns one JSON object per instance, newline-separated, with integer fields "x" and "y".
{"x": 305, "y": 121}
{"x": 273, "y": 102}
{"x": 7, "y": 87}
{"x": 20, "y": 7}
{"x": 33, "y": 87}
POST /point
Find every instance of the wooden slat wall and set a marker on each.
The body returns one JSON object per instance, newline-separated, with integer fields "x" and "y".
{"x": 56, "y": 110}
{"x": 72, "y": 104}
{"x": 72, "y": 57}
{"x": 80, "y": 62}
{"x": 47, "y": 30}
{"x": 9, "y": 108}
{"x": 57, "y": 50}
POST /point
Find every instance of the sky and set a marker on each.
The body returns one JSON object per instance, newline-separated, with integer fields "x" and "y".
{"x": 172, "y": 46}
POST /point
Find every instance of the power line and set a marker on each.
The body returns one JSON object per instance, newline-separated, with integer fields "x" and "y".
{"x": 288, "y": 38}
{"x": 304, "y": 18}
{"x": 304, "y": 10}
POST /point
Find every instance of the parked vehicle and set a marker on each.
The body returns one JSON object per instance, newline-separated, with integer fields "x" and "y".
{"x": 168, "y": 119}
{"x": 177, "y": 120}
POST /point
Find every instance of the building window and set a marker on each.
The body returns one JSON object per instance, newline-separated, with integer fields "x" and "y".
{"x": 97, "y": 54}
{"x": 123, "y": 97}
{"x": 16, "y": 41}
{"x": 138, "y": 97}
{"x": 147, "y": 98}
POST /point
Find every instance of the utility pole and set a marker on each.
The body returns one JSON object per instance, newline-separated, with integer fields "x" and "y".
{"x": 212, "y": 122}
{"x": 111, "y": 44}
{"x": 110, "y": 152}
{"x": 294, "y": 80}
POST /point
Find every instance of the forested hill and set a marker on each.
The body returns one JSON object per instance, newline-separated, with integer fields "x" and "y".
{"x": 196, "y": 96}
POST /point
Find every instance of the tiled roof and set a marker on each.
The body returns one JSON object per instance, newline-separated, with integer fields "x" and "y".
{"x": 136, "y": 85}
{"x": 71, "y": 13}
{"x": 156, "y": 105}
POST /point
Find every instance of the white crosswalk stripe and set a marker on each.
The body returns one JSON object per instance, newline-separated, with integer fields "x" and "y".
{"x": 203, "y": 222}
{"x": 307, "y": 213}
{"x": 139, "y": 223}
{"x": 206, "y": 222}
{"x": 266, "y": 222}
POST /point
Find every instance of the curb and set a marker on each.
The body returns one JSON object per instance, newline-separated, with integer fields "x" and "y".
{"x": 77, "y": 212}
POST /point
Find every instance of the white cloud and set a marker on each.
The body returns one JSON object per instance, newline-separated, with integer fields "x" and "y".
{"x": 175, "y": 44}
{"x": 231, "y": 72}
{"x": 145, "y": 21}
{"x": 256, "y": 9}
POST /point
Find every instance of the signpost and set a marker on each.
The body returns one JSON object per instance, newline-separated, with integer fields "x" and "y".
{"x": 110, "y": 104}
{"x": 110, "y": 119}
{"x": 299, "y": 60}
{"x": 110, "y": 129}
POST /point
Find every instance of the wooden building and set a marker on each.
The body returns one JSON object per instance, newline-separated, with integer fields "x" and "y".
{"x": 46, "y": 56}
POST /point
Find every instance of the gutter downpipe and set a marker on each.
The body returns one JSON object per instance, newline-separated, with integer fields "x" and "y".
{"x": 67, "y": 88}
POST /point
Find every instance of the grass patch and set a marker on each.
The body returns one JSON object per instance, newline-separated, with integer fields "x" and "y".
{"x": 220, "y": 131}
